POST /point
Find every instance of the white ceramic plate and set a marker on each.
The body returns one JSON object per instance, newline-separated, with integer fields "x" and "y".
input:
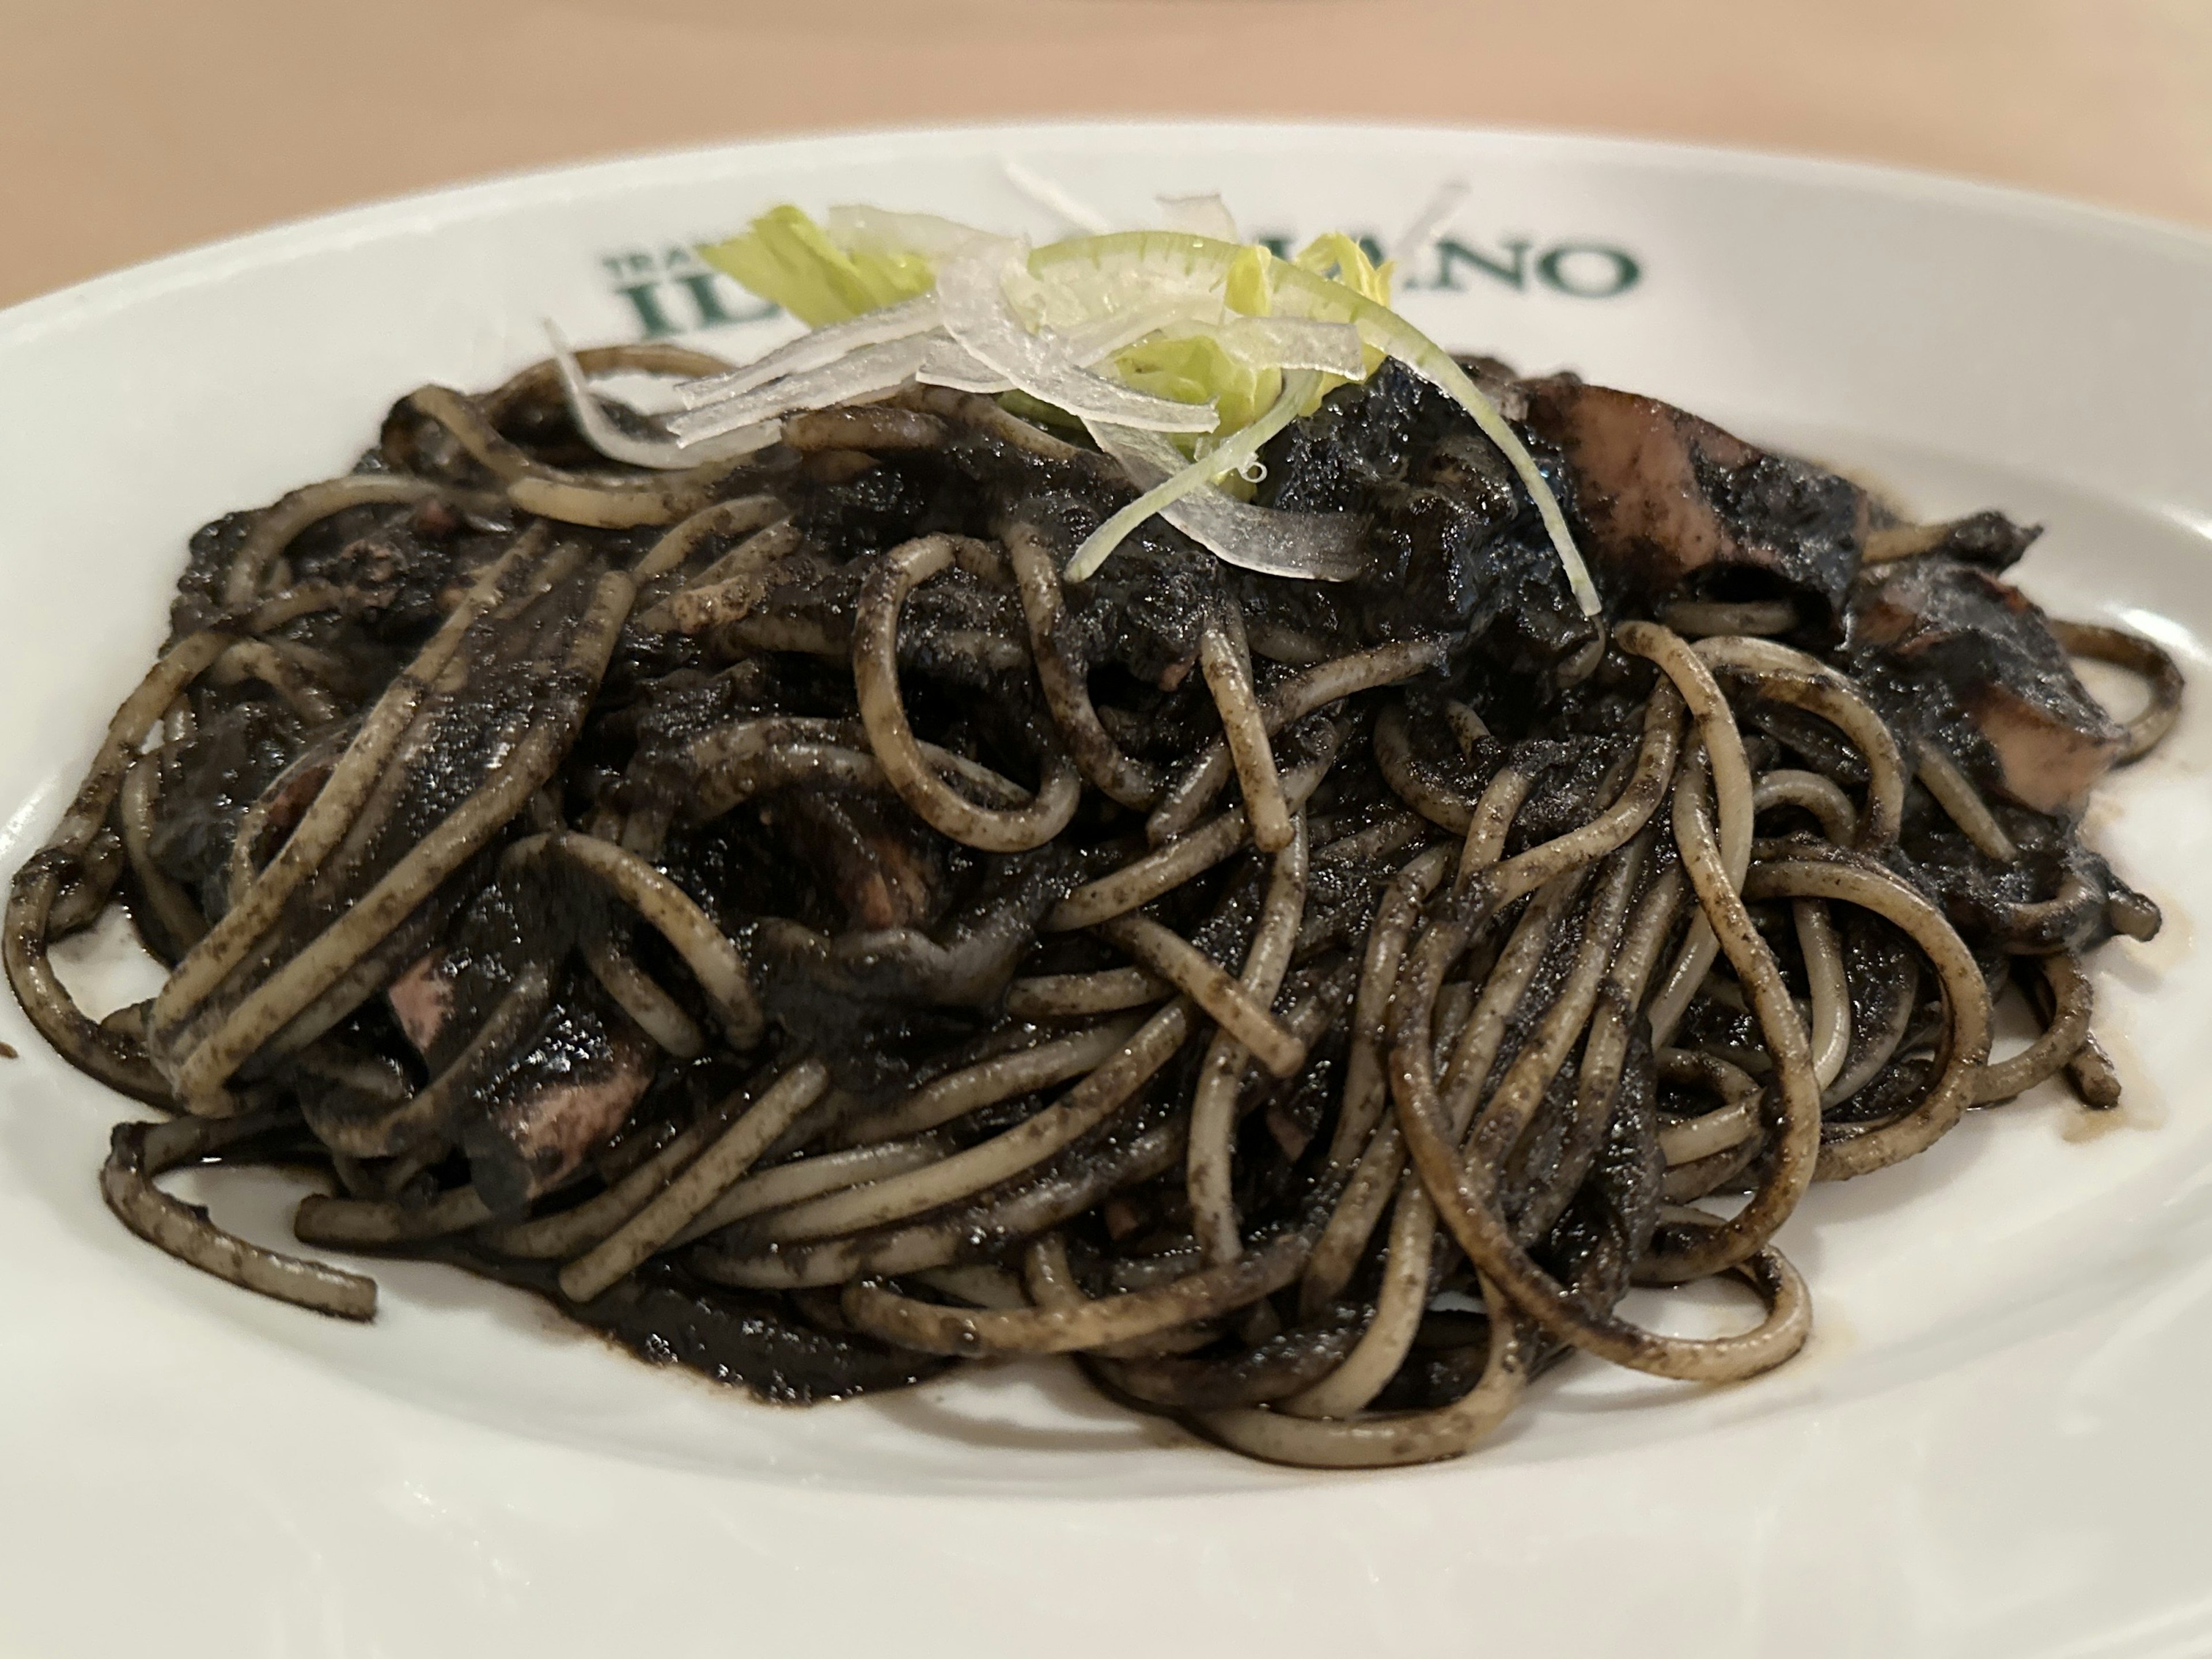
{"x": 1995, "y": 1444}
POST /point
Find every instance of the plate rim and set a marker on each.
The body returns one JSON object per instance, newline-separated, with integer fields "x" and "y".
{"x": 434, "y": 206}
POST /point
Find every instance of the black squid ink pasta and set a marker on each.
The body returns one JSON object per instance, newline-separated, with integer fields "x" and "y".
{"x": 765, "y": 904}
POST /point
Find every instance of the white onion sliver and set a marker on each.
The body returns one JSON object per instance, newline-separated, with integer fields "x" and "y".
{"x": 870, "y": 369}
{"x": 1309, "y": 546}
{"x": 1229, "y": 455}
{"x": 949, "y": 363}
{"x": 662, "y": 454}
{"x": 1073, "y": 291}
{"x": 1090, "y": 342}
{"x": 1200, "y": 215}
{"x": 1295, "y": 343}
{"x": 818, "y": 349}
{"x": 1321, "y": 547}
{"x": 978, "y": 315}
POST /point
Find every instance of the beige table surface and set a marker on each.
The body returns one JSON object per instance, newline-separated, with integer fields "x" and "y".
{"x": 129, "y": 127}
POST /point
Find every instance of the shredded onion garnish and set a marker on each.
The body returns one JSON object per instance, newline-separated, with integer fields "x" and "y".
{"x": 817, "y": 350}
{"x": 868, "y": 372}
{"x": 971, "y": 292}
{"x": 1229, "y": 456}
{"x": 669, "y": 455}
{"x": 1313, "y": 546}
{"x": 1181, "y": 351}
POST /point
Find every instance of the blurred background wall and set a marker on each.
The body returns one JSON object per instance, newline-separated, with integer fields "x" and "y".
{"x": 129, "y": 127}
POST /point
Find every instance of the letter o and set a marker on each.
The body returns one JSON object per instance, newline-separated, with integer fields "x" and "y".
{"x": 1621, "y": 271}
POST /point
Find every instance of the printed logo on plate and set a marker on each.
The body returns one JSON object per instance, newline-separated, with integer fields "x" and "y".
{"x": 670, "y": 291}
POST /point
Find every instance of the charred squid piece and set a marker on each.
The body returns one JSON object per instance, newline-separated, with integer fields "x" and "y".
{"x": 464, "y": 1006}
{"x": 883, "y": 865}
{"x": 422, "y": 998}
{"x": 564, "y": 1089}
{"x": 378, "y": 966}
{"x": 484, "y": 734}
{"x": 1964, "y": 639}
{"x": 1669, "y": 503}
{"x": 519, "y": 920}
{"x": 1987, "y": 539}
{"x": 270, "y": 817}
